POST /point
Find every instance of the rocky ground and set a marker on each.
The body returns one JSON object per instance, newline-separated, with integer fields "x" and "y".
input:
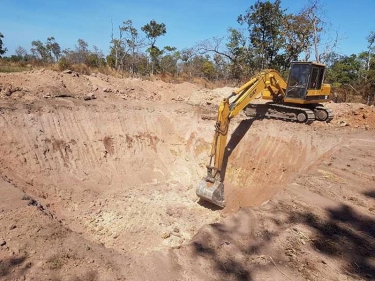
{"x": 98, "y": 178}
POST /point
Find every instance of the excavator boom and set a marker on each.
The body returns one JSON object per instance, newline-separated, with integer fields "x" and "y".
{"x": 211, "y": 187}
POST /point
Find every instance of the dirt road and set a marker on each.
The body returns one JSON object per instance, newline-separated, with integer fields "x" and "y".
{"x": 99, "y": 174}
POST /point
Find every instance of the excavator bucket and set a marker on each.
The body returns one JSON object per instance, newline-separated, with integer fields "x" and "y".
{"x": 212, "y": 192}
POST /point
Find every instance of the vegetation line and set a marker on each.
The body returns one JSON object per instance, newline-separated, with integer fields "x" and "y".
{"x": 269, "y": 37}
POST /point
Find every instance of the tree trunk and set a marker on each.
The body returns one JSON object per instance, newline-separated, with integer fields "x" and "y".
{"x": 316, "y": 41}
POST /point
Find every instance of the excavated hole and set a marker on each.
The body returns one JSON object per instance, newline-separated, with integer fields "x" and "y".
{"x": 125, "y": 176}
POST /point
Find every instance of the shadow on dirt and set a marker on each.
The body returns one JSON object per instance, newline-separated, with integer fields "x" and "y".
{"x": 16, "y": 268}
{"x": 223, "y": 266}
{"x": 348, "y": 236}
{"x": 209, "y": 205}
{"x": 212, "y": 244}
{"x": 344, "y": 236}
{"x": 370, "y": 193}
{"x": 8, "y": 265}
{"x": 235, "y": 139}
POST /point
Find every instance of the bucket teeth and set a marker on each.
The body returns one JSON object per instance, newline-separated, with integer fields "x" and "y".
{"x": 213, "y": 193}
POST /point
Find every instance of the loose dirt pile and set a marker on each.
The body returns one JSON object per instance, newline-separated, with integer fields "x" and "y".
{"x": 99, "y": 176}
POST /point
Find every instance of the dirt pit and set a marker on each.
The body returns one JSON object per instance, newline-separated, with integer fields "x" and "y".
{"x": 120, "y": 171}
{"x": 125, "y": 175}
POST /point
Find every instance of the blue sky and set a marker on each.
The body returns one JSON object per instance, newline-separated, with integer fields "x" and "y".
{"x": 187, "y": 22}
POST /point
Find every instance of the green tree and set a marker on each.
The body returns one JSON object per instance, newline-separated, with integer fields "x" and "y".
{"x": 208, "y": 69}
{"x": 221, "y": 66}
{"x": 153, "y": 30}
{"x": 118, "y": 52}
{"x": 241, "y": 63}
{"x": 53, "y": 48}
{"x": 233, "y": 61}
{"x": 95, "y": 58}
{"x": 168, "y": 62}
{"x": 353, "y": 76}
{"x": 46, "y": 52}
{"x": 20, "y": 55}
{"x": 2, "y": 49}
{"x": 110, "y": 59}
{"x": 124, "y": 48}
{"x": 264, "y": 22}
{"x": 21, "y": 52}
{"x": 344, "y": 71}
{"x": 133, "y": 42}
{"x": 199, "y": 66}
{"x": 368, "y": 72}
{"x": 79, "y": 55}
{"x": 370, "y": 51}
{"x": 298, "y": 31}
{"x": 82, "y": 55}
{"x": 40, "y": 51}
{"x": 186, "y": 58}
{"x": 82, "y": 51}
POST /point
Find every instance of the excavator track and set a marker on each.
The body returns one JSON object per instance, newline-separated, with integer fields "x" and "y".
{"x": 323, "y": 113}
{"x": 281, "y": 111}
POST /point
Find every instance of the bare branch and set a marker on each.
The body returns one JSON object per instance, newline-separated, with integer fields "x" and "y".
{"x": 212, "y": 46}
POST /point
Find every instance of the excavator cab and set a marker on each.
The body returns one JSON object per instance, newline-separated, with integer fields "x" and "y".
{"x": 298, "y": 81}
{"x": 305, "y": 84}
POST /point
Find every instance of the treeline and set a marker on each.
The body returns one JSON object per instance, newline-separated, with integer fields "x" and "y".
{"x": 268, "y": 37}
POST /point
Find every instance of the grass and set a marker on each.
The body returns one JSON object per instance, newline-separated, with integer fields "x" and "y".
{"x": 57, "y": 261}
{"x": 9, "y": 69}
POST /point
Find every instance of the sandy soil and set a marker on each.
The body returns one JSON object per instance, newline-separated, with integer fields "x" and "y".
{"x": 98, "y": 178}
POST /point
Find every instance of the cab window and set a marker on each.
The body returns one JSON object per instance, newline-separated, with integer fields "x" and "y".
{"x": 316, "y": 77}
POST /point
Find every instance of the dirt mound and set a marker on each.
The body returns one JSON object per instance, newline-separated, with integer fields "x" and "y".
{"x": 354, "y": 115}
{"x": 36, "y": 84}
{"x": 113, "y": 177}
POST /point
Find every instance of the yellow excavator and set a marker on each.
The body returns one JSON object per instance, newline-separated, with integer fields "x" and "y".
{"x": 299, "y": 100}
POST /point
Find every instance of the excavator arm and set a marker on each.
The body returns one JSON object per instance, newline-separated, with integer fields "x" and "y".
{"x": 211, "y": 188}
